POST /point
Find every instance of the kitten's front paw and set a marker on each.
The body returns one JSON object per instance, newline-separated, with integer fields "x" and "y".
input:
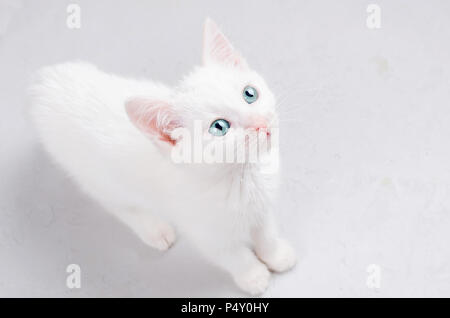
{"x": 281, "y": 258}
{"x": 160, "y": 236}
{"x": 254, "y": 281}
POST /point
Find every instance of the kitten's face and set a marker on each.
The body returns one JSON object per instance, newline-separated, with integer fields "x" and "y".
{"x": 219, "y": 92}
{"x": 224, "y": 95}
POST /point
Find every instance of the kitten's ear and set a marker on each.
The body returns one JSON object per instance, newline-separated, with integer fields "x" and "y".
{"x": 217, "y": 48}
{"x": 154, "y": 118}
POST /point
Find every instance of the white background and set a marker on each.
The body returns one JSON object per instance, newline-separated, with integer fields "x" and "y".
{"x": 365, "y": 136}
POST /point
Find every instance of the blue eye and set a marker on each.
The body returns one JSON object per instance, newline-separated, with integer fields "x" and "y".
{"x": 219, "y": 127}
{"x": 250, "y": 94}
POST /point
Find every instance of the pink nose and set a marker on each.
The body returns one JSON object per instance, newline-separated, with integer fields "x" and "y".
{"x": 257, "y": 122}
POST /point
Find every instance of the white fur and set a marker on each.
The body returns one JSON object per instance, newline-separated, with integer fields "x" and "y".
{"x": 225, "y": 209}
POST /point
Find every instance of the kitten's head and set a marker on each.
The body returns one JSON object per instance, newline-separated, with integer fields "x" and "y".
{"x": 224, "y": 94}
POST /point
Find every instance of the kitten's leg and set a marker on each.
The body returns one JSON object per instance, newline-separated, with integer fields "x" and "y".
{"x": 248, "y": 272}
{"x": 274, "y": 251}
{"x": 151, "y": 229}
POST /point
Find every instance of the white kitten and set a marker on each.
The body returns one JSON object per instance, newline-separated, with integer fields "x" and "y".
{"x": 114, "y": 136}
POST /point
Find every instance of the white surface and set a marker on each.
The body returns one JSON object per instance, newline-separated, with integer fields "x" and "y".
{"x": 365, "y": 145}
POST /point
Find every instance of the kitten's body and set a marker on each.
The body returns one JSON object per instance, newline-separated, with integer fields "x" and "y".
{"x": 224, "y": 209}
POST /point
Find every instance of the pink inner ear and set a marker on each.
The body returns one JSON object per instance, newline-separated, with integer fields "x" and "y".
{"x": 154, "y": 118}
{"x": 216, "y": 47}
